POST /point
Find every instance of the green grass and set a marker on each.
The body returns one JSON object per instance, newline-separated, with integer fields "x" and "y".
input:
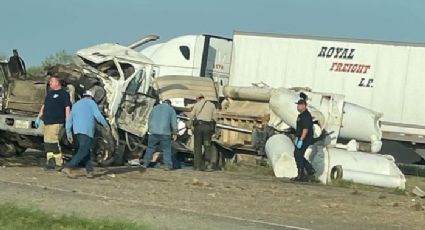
{"x": 13, "y": 217}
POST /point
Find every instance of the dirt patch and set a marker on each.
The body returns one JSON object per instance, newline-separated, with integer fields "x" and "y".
{"x": 243, "y": 199}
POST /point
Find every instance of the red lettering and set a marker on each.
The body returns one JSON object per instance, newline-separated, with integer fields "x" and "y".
{"x": 354, "y": 68}
{"x": 367, "y": 67}
{"x": 349, "y": 68}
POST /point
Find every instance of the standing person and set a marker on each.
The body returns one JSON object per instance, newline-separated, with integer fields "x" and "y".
{"x": 17, "y": 65}
{"x": 162, "y": 127}
{"x": 204, "y": 116}
{"x": 53, "y": 113}
{"x": 304, "y": 138}
{"x": 82, "y": 121}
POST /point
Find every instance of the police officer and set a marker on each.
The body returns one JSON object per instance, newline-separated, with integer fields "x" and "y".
{"x": 304, "y": 138}
{"x": 204, "y": 116}
{"x": 53, "y": 113}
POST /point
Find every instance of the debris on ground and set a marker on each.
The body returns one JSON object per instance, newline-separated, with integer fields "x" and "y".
{"x": 418, "y": 207}
{"x": 418, "y": 192}
{"x": 111, "y": 175}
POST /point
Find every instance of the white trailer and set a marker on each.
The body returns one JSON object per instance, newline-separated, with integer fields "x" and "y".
{"x": 193, "y": 55}
{"x": 387, "y": 77}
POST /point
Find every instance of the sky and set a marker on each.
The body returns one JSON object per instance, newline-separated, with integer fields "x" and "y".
{"x": 43, "y": 27}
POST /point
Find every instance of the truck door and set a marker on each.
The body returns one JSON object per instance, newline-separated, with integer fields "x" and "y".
{"x": 216, "y": 60}
{"x": 136, "y": 105}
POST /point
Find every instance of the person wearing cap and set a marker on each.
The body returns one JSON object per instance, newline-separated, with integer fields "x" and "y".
{"x": 82, "y": 123}
{"x": 303, "y": 139}
{"x": 17, "y": 65}
{"x": 204, "y": 116}
{"x": 53, "y": 113}
{"x": 162, "y": 127}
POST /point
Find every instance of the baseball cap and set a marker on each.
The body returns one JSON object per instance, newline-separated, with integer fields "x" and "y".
{"x": 88, "y": 93}
{"x": 301, "y": 102}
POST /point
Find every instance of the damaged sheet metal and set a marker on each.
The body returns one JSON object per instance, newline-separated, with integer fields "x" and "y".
{"x": 107, "y": 51}
{"x": 25, "y": 96}
{"x": 334, "y": 163}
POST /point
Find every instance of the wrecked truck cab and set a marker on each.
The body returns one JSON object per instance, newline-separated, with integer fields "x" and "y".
{"x": 127, "y": 77}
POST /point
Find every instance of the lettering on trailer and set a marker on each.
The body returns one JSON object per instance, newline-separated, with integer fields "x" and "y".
{"x": 339, "y": 66}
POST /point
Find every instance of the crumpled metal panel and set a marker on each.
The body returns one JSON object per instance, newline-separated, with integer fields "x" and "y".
{"x": 133, "y": 116}
{"x": 105, "y": 52}
{"x": 26, "y": 95}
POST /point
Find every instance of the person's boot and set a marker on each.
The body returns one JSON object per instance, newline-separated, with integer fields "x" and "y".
{"x": 50, "y": 162}
{"x": 210, "y": 168}
{"x": 89, "y": 174}
{"x": 68, "y": 172}
{"x": 58, "y": 161}
{"x": 301, "y": 176}
{"x": 311, "y": 175}
{"x": 297, "y": 178}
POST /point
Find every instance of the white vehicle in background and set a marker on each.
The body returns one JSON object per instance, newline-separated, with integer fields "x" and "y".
{"x": 192, "y": 55}
{"x": 386, "y": 77}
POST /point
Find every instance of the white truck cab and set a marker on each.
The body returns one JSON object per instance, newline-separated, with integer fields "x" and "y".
{"x": 193, "y": 55}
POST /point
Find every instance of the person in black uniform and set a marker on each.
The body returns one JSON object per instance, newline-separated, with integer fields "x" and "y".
{"x": 17, "y": 65}
{"x": 304, "y": 138}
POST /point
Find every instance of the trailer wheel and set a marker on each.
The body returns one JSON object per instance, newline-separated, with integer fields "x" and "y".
{"x": 103, "y": 147}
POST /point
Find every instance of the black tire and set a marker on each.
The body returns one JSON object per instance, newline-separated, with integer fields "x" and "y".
{"x": 103, "y": 147}
{"x": 7, "y": 149}
{"x": 337, "y": 173}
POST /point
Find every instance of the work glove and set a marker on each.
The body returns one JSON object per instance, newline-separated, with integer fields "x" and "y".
{"x": 38, "y": 122}
{"x": 299, "y": 144}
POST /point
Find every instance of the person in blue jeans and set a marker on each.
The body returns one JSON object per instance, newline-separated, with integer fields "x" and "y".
{"x": 162, "y": 130}
{"x": 82, "y": 121}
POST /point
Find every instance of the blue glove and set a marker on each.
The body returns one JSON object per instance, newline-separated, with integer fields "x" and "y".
{"x": 38, "y": 122}
{"x": 299, "y": 144}
{"x": 296, "y": 141}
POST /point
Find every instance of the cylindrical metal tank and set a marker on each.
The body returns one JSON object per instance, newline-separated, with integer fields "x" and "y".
{"x": 360, "y": 123}
{"x": 367, "y": 168}
{"x": 357, "y": 122}
{"x": 279, "y": 150}
{"x": 282, "y": 103}
{"x": 247, "y": 93}
{"x": 359, "y": 167}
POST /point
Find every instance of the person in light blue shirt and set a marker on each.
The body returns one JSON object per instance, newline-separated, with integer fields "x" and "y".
{"x": 82, "y": 121}
{"x": 162, "y": 127}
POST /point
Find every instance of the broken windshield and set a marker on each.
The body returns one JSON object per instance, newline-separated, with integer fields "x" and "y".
{"x": 135, "y": 83}
{"x": 111, "y": 69}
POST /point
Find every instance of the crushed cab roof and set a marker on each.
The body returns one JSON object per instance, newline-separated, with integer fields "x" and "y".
{"x": 107, "y": 51}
